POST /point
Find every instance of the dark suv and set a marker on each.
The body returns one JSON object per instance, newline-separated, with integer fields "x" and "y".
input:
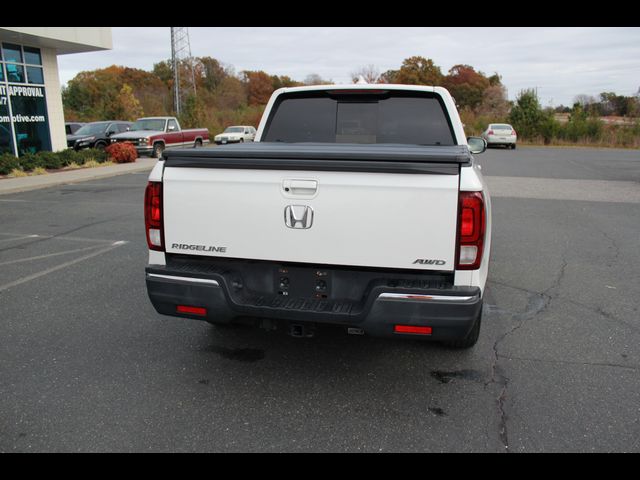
{"x": 96, "y": 134}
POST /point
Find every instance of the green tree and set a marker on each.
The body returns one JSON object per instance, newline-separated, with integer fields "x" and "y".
{"x": 529, "y": 120}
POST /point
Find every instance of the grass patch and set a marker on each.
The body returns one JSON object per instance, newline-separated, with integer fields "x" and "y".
{"x": 95, "y": 163}
{"x": 38, "y": 171}
{"x": 73, "y": 166}
{"x": 17, "y": 173}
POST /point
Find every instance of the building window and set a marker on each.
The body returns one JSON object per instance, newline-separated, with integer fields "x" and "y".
{"x": 34, "y": 75}
{"x": 24, "y": 123}
{"x": 15, "y": 73}
{"x": 32, "y": 56}
{"x": 11, "y": 53}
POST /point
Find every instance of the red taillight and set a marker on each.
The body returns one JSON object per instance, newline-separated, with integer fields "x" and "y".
{"x": 513, "y": 132}
{"x": 191, "y": 310}
{"x": 413, "y": 329}
{"x": 471, "y": 229}
{"x": 153, "y": 216}
{"x": 490, "y": 132}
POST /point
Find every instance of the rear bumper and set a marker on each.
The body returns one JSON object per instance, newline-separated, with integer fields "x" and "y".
{"x": 501, "y": 140}
{"x": 451, "y": 313}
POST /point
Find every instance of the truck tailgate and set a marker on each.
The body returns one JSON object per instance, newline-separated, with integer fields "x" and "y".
{"x": 363, "y": 217}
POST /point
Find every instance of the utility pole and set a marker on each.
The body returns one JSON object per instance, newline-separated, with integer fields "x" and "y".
{"x": 180, "y": 58}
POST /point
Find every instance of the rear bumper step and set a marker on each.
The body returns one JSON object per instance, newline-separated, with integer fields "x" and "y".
{"x": 450, "y": 312}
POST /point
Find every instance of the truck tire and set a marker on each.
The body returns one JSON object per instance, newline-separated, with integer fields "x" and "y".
{"x": 100, "y": 146}
{"x": 197, "y": 144}
{"x": 158, "y": 148}
{"x": 470, "y": 340}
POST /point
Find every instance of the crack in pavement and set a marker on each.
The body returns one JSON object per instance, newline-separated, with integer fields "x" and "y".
{"x": 537, "y": 302}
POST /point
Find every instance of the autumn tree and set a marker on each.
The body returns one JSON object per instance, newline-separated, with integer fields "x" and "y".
{"x": 259, "y": 87}
{"x": 466, "y": 85}
{"x": 95, "y": 95}
{"x": 231, "y": 94}
{"x": 418, "y": 71}
{"x": 209, "y": 72}
{"x": 388, "y": 77}
{"x": 126, "y": 106}
{"x": 283, "y": 81}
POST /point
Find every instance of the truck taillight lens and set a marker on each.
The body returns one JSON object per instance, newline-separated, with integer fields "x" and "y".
{"x": 153, "y": 216}
{"x": 471, "y": 229}
{"x": 490, "y": 132}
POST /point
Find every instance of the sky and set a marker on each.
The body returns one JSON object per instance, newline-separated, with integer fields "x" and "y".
{"x": 560, "y": 62}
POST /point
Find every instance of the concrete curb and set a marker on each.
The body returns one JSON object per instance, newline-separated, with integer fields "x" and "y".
{"x": 23, "y": 184}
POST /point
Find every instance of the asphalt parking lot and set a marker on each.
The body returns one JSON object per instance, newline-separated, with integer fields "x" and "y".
{"x": 87, "y": 365}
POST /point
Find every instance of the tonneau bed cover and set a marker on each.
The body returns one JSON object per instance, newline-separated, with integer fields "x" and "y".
{"x": 390, "y": 158}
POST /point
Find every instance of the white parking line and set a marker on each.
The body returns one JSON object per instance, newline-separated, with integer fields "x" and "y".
{"x": 33, "y": 276}
{"x": 17, "y": 238}
{"x": 55, "y": 237}
{"x": 56, "y": 254}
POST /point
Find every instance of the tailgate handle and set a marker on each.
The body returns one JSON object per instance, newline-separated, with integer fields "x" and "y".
{"x": 300, "y": 187}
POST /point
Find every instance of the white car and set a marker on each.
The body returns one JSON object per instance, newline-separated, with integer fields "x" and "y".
{"x": 236, "y": 134}
{"x": 500, "y": 134}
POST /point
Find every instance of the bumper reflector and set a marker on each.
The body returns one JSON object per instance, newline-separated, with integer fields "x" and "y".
{"x": 412, "y": 329}
{"x": 191, "y": 310}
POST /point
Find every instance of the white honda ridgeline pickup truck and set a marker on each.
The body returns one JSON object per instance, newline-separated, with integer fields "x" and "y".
{"x": 358, "y": 205}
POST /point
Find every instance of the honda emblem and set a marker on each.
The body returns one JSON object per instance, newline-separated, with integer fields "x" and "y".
{"x": 298, "y": 216}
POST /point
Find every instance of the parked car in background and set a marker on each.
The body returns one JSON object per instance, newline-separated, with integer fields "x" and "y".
{"x": 236, "y": 134}
{"x": 96, "y": 134}
{"x": 153, "y": 135}
{"x": 72, "y": 127}
{"x": 500, "y": 134}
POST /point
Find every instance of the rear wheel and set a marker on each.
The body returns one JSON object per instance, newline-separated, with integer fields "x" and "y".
{"x": 471, "y": 339}
{"x": 198, "y": 143}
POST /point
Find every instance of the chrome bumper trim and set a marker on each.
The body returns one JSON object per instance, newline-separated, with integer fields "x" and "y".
{"x": 185, "y": 279}
{"x": 437, "y": 298}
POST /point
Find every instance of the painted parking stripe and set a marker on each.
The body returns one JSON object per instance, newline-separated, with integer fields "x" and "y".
{"x": 42, "y": 273}
{"x": 55, "y": 254}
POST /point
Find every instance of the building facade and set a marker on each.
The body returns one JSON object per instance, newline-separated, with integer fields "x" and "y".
{"x": 31, "y": 114}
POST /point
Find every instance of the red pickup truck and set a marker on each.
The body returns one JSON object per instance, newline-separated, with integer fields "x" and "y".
{"x": 153, "y": 135}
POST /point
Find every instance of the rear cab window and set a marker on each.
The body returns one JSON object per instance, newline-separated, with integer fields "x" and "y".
{"x": 367, "y": 116}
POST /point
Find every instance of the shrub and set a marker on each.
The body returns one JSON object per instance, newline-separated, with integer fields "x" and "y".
{"x": 93, "y": 154}
{"x": 69, "y": 156}
{"x": 29, "y": 161}
{"x": 8, "y": 162}
{"x": 122, "y": 152}
{"x": 50, "y": 160}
